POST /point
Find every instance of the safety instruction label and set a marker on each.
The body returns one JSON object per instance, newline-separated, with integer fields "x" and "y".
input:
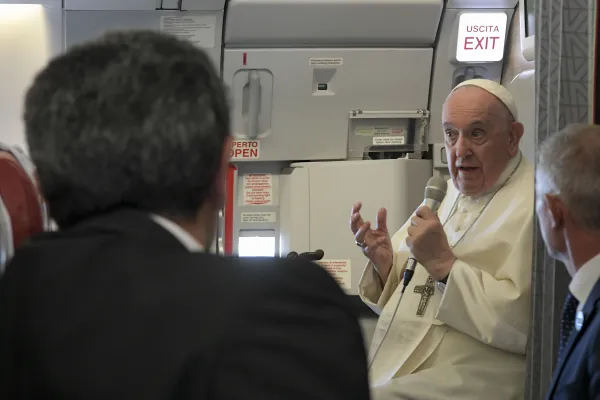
{"x": 198, "y": 30}
{"x": 379, "y": 131}
{"x": 258, "y": 189}
{"x": 325, "y": 61}
{"x": 245, "y": 150}
{"x": 388, "y": 140}
{"x": 258, "y": 217}
{"x": 340, "y": 270}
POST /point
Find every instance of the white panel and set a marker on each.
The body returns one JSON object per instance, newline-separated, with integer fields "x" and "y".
{"x": 523, "y": 90}
{"x": 397, "y": 185}
{"x": 297, "y": 122}
{"x": 353, "y": 22}
{"x": 29, "y": 36}
{"x": 202, "y": 5}
{"x": 294, "y": 218}
{"x": 110, "y": 4}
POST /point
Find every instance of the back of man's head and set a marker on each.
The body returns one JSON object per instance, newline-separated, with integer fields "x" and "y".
{"x": 135, "y": 119}
{"x": 569, "y": 167}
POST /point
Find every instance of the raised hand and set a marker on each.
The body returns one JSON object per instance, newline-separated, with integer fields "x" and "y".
{"x": 376, "y": 243}
{"x": 429, "y": 244}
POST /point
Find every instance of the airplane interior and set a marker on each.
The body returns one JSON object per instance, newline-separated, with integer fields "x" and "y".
{"x": 333, "y": 101}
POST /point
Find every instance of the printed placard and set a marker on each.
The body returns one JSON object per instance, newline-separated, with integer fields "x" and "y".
{"x": 198, "y": 30}
{"x": 258, "y": 217}
{"x": 258, "y": 189}
{"x": 340, "y": 270}
{"x": 325, "y": 61}
{"x": 388, "y": 140}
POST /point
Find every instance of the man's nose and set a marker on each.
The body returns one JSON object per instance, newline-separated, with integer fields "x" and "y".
{"x": 462, "y": 147}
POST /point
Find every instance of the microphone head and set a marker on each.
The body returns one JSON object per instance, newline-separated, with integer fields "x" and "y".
{"x": 436, "y": 189}
{"x": 319, "y": 254}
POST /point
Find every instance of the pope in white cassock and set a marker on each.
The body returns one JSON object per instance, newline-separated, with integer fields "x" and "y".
{"x": 460, "y": 331}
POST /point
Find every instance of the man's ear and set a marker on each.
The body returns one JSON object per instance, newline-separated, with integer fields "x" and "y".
{"x": 556, "y": 210}
{"x": 515, "y": 135}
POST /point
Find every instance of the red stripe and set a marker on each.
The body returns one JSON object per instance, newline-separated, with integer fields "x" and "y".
{"x": 228, "y": 239}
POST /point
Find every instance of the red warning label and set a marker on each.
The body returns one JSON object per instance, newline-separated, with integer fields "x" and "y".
{"x": 245, "y": 150}
{"x": 258, "y": 189}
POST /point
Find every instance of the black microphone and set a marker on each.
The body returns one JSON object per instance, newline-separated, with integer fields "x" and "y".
{"x": 435, "y": 191}
{"x": 292, "y": 255}
{"x": 316, "y": 255}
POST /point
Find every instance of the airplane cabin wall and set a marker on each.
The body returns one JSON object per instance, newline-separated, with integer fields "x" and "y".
{"x": 30, "y": 34}
{"x": 515, "y": 62}
{"x": 519, "y": 77}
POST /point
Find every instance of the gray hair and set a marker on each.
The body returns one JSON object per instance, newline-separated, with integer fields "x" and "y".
{"x": 569, "y": 166}
{"x": 133, "y": 119}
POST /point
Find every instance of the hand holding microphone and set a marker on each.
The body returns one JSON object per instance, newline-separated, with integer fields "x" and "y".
{"x": 426, "y": 237}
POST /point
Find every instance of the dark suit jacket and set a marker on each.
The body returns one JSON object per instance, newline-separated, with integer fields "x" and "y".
{"x": 116, "y": 308}
{"x": 577, "y": 375}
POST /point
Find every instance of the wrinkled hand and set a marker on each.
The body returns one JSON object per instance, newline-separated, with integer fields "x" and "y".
{"x": 429, "y": 244}
{"x": 376, "y": 243}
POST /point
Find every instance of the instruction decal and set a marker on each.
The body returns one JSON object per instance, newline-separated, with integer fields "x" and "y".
{"x": 245, "y": 150}
{"x": 258, "y": 189}
{"x": 196, "y": 29}
{"x": 340, "y": 270}
{"x": 258, "y": 217}
{"x": 388, "y": 140}
{"x": 325, "y": 61}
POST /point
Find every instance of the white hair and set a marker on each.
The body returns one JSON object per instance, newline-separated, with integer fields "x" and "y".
{"x": 569, "y": 167}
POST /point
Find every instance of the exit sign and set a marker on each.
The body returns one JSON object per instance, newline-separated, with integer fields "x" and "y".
{"x": 481, "y": 37}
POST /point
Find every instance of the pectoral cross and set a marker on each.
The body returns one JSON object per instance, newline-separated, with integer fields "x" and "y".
{"x": 426, "y": 291}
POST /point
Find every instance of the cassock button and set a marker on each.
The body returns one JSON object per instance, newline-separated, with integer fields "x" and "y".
{"x": 579, "y": 320}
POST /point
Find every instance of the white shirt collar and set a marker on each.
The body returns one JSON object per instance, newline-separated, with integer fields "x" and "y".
{"x": 180, "y": 234}
{"x": 585, "y": 279}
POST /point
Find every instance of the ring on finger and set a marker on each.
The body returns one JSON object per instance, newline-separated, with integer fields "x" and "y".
{"x": 360, "y": 244}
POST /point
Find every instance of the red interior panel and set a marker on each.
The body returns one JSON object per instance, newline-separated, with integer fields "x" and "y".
{"x": 20, "y": 196}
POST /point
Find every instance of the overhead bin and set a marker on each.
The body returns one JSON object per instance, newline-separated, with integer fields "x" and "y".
{"x": 198, "y": 21}
{"x": 144, "y": 5}
{"x": 341, "y": 22}
{"x": 328, "y": 79}
{"x": 112, "y": 4}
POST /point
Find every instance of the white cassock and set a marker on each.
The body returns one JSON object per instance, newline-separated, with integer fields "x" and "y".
{"x": 470, "y": 343}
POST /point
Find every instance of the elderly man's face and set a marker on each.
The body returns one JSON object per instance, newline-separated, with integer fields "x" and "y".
{"x": 480, "y": 139}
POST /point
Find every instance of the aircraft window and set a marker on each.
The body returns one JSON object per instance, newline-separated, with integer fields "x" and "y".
{"x": 257, "y": 243}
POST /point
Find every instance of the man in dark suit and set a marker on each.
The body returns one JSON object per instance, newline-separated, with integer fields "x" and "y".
{"x": 131, "y": 138}
{"x": 568, "y": 208}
